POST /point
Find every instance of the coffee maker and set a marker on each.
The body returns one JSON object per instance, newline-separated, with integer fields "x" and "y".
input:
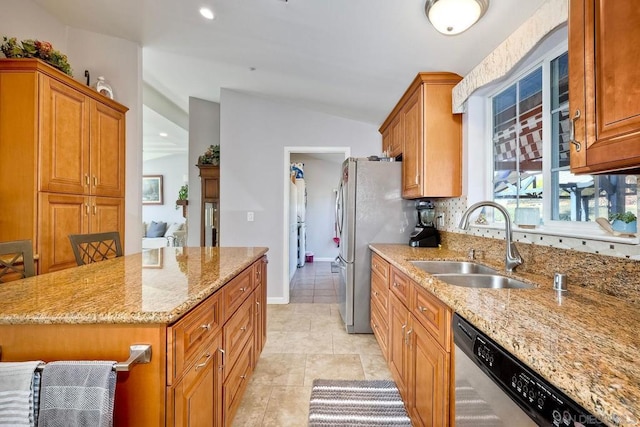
{"x": 425, "y": 235}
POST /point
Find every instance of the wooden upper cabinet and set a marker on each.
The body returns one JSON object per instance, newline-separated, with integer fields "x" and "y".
{"x": 604, "y": 85}
{"x": 429, "y": 137}
{"x": 107, "y": 170}
{"x": 64, "y": 133}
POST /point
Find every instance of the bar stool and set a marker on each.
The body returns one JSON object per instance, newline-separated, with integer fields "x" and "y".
{"x": 16, "y": 260}
{"x": 93, "y": 247}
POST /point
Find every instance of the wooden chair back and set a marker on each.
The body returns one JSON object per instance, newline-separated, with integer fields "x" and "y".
{"x": 94, "y": 247}
{"x": 16, "y": 260}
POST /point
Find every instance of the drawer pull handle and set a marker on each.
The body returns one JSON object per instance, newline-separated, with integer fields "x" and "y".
{"x": 206, "y": 327}
{"x": 395, "y": 284}
{"x": 375, "y": 293}
{"x": 244, "y": 328}
{"x": 222, "y": 353}
{"x": 203, "y": 364}
{"x": 243, "y": 376}
{"x": 422, "y": 309}
{"x": 406, "y": 337}
{"x": 243, "y": 289}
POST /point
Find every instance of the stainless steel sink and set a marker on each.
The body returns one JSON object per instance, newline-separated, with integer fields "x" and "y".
{"x": 453, "y": 267}
{"x": 493, "y": 281}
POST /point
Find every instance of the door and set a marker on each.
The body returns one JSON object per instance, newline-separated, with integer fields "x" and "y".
{"x": 107, "y": 214}
{"x": 412, "y": 151}
{"x": 107, "y": 151}
{"x": 64, "y": 145}
{"x": 59, "y": 216}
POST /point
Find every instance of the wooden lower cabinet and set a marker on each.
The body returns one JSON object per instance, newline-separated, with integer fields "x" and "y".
{"x": 398, "y": 361}
{"x": 418, "y": 350}
{"x": 197, "y": 398}
{"x": 429, "y": 379}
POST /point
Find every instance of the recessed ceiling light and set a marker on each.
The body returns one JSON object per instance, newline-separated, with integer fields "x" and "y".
{"x": 206, "y": 12}
{"x": 164, "y": 134}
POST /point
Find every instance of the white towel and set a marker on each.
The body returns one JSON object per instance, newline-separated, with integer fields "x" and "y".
{"x": 77, "y": 393}
{"x": 19, "y": 384}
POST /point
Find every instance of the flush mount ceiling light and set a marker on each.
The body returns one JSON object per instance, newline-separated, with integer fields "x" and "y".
{"x": 206, "y": 12}
{"x": 454, "y": 16}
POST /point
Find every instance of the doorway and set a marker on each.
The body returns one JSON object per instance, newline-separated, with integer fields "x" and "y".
{"x": 316, "y": 228}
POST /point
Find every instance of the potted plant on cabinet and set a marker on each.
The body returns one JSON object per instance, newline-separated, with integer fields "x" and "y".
{"x": 624, "y": 222}
{"x": 183, "y": 196}
{"x": 211, "y": 156}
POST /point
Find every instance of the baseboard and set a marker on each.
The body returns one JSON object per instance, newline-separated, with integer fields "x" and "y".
{"x": 324, "y": 259}
{"x": 277, "y": 300}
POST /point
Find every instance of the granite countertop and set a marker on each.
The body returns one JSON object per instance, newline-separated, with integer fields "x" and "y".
{"x": 154, "y": 286}
{"x": 584, "y": 342}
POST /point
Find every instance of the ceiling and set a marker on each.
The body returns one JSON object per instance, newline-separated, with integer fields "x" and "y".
{"x": 349, "y": 58}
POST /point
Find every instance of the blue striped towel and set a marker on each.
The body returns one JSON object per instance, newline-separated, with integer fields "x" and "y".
{"x": 77, "y": 393}
{"x": 19, "y": 390}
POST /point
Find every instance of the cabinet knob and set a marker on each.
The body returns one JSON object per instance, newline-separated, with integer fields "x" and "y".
{"x": 206, "y": 326}
{"x": 572, "y": 131}
{"x": 243, "y": 289}
{"x": 422, "y": 309}
{"x": 244, "y": 328}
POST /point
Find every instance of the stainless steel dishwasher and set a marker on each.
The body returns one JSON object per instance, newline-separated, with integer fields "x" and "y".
{"x": 493, "y": 388}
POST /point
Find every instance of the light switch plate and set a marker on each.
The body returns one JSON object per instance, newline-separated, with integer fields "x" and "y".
{"x": 250, "y": 216}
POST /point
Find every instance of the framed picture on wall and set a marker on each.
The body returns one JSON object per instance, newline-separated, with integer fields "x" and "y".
{"x": 152, "y": 190}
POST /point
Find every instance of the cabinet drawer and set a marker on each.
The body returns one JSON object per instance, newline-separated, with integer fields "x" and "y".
{"x": 380, "y": 330}
{"x": 434, "y": 315}
{"x": 379, "y": 294}
{"x": 237, "y": 331}
{"x": 236, "y": 292}
{"x": 257, "y": 273}
{"x": 400, "y": 286}
{"x": 236, "y": 383}
{"x": 380, "y": 267}
{"x": 187, "y": 335}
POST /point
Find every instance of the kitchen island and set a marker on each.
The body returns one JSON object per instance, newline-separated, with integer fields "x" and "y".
{"x": 202, "y": 310}
{"x": 584, "y": 342}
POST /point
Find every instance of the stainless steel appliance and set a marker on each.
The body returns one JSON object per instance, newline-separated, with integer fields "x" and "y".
{"x": 369, "y": 209}
{"x": 425, "y": 234}
{"x": 493, "y": 388}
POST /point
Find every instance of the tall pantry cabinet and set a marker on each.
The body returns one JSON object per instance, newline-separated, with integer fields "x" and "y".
{"x": 62, "y": 160}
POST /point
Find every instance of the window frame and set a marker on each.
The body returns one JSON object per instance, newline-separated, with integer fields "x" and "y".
{"x": 577, "y": 229}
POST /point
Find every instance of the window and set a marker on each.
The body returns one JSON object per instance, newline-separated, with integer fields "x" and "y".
{"x": 528, "y": 171}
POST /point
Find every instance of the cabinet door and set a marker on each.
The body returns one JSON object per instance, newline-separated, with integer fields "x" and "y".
{"x": 107, "y": 214}
{"x": 386, "y": 141}
{"x": 59, "y": 216}
{"x": 412, "y": 150}
{"x": 196, "y": 401}
{"x": 396, "y": 137}
{"x": 64, "y": 138}
{"x": 429, "y": 379}
{"x": 398, "y": 363}
{"x": 107, "y": 151}
{"x": 604, "y": 42}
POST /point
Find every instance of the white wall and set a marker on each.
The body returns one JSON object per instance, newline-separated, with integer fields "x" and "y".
{"x": 321, "y": 178}
{"x": 118, "y": 60}
{"x": 204, "y": 130}
{"x": 253, "y": 134}
{"x": 172, "y": 169}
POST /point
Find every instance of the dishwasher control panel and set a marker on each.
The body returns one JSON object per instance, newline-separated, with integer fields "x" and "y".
{"x": 542, "y": 401}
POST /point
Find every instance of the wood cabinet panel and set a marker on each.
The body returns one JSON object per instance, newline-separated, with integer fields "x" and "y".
{"x": 196, "y": 400}
{"x": 380, "y": 327}
{"x": 380, "y": 294}
{"x": 238, "y": 330}
{"x": 398, "y": 363}
{"x": 236, "y": 292}
{"x": 107, "y": 151}
{"x": 64, "y": 138}
{"x": 400, "y": 286}
{"x": 380, "y": 267}
{"x": 429, "y": 379}
{"x": 107, "y": 214}
{"x": 433, "y": 314}
{"x": 187, "y": 336}
{"x": 236, "y": 383}
{"x": 412, "y": 148}
{"x": 604, "y": 85}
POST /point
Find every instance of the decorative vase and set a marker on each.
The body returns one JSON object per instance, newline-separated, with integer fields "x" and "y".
{"x": 624, "y": 227}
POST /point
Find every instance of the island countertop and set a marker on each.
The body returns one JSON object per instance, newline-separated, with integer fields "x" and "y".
{"x": 585, "y": 342}
{"x": 154, "y": 286}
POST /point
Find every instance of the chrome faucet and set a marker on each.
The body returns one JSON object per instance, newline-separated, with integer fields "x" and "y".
{"x": 513, "y": 258}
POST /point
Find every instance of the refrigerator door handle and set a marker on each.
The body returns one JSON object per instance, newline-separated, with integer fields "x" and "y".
{"x": 338, "y": 209}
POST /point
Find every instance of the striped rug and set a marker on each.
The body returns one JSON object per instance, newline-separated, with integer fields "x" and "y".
{"x": 341, "y": 403}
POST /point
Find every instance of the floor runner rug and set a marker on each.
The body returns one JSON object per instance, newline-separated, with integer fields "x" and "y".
{"x": 471, "y": 410}
{"x": 342, "y": 403}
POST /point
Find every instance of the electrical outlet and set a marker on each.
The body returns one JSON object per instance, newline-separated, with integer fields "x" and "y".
{"x": 250, "y": 216}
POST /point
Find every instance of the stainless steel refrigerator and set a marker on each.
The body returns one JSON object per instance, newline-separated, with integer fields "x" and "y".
{"x": 369, "y": 209}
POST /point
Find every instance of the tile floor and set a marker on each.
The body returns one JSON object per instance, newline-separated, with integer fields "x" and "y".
{"x": 305, "y": 340}
{"x": 314, "y": 283}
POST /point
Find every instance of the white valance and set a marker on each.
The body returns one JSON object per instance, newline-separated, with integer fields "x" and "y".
{"x": 551, "y": 15}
